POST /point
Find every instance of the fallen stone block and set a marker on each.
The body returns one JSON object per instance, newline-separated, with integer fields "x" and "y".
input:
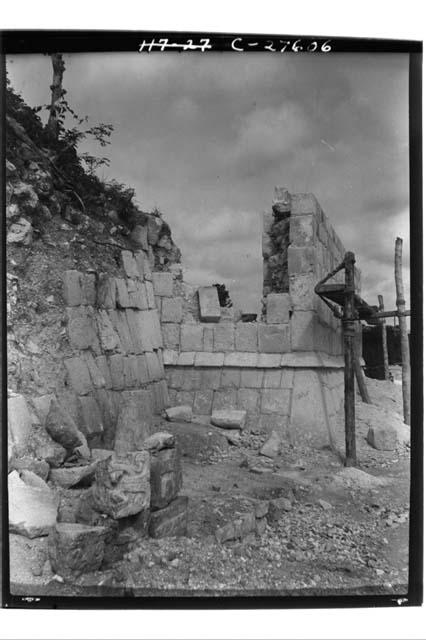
{"x": 32, "y": 510}
{"x": 166, "y": 477}
{"x": 209, "y": 304}
{"x": 383, "y": 438}
{"x": 61, "y": 427}
{"x": 135, "y": 420}
{"x": 33, "y": 480}
{"x": 39, "y": 467}
{"x": 198, "y": 441}
{"x": 272, "y": 446}
{"x": 277, "y": 507}
{"x": 170, "y": 521}
{"x": 41, "y": 406}
{"x": 158, "y": 441}
{"x": 122, "y": 484}
{"x": 68, "y": 477}
{"x": 179, "y": 414}
{"x": 229, "y": 418}
{"x": 54, "y": 454}
{"x": 75, "y": 549}
{"x": 261, "y": 509}
{"x": 19, "y": 421}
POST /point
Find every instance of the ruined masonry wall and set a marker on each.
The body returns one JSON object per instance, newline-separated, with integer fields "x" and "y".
{"x": 116, "y": 372}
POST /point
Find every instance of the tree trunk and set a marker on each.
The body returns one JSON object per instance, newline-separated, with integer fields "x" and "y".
{"x": 405, "y": 349}
{"x": 348, "y": 338}
{"x": 57, "y": 92}
{"x": 384, "y": 340}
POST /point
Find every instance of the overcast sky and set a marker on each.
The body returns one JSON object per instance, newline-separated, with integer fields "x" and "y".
{"x": 206, "y": 137}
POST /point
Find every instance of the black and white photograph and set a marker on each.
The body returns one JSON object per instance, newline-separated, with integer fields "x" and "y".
{"x": 211, "y": 319}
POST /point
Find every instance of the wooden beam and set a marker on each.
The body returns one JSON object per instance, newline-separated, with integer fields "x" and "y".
{"x": 405, "y": 349}
{"x": 384, "y": 341}
{"x": 348, "y": 342}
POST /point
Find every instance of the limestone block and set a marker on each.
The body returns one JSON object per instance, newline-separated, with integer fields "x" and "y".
{"x": 229, "y": 418}
{"x": 191, "y": 337}
{"x": 210, "y": 378}
{"x": 32, "y": 510}
{"x": 142, "y": 369}
{"x": 223, "y": 337}
{"x": 246, "y": 336}
{"x": 91, "y": 418}
{"x": 186, "y": 359}
{"x": 252, "y": 379}
{"x": 89, "y": 288}
{"x": 226, "y": 399}
{"x": 120, "y": 324}
{"x": 272, "y": 447}
{"x": 208, "y": 338}
{"x": 275, "y": 401}
{"x": 137, "y": 294}
{"x": 68, "y": 477}
{"x": 72, "y": 288}
{"x": 81, "y": 328}
{"x": 135, "y": 420}
{"x": 170, "y": 521}
{"x": 171, "y": 336}
{"x": 122, "y": 486}
{"x": 302, "y": 293}
{"x": 130, "y": 372}
{"x": 116, "y": 367}
{"x": 384, "y": 438}
{"x": 302, "y": 259}
{"x": 19, "y": 421}
{"x": 150, "y": 294}
{"x": 209, "y": 304}
{"x": 165, "y": 476}
{"x": 160, "y": 395}
{"x": 272, "y": 379}
{"x": 248, "y": 399}
{"x": 303, "y": 230}
{"x": 226, "y": 314}
{"x": 61, "y": 427}
{"x": 106, "y": 292}
{"x": 122, "y": 294}
{"x": 240, "y": 359}
{"x": 184, "y": 398}
{"x": 40, "y": 468}
{"x": 108, "y": 337}
{"x": 153, "y": 364}
{"x": 203, "y": 401}
{"x": 181, "y": 413}
{"x": 163, "y": 283}
{"x": 41, "y": 406}
{"x": 191, "y": 379}
{"x": 75, "y": 549}
{"x": 129, "y": 264}
{"x": 303, "y": 330}
{"x": 209, "y": 360}
{"x": 97, "y": 378}
{"x": 309, "y": 421}
{"x": 140, "y": 257}
{"x": 231, "y": 378}
{"x": 150, "y": 325}
{"x": 170, "y": 357}
{"x": 278, "y": 308}
{"x": 274, "y": 338}
{"x": 78, "y": 375}
{"x": 269, "y": 360}
{"x": 171, "y": 310}
{"x": 303, "y": 203}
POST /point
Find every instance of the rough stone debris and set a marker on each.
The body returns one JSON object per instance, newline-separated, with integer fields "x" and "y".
{"x": 76, "y": 548}
{"x": 159, "y": 440}
{"x": 198, "y": 441}
{"x": 272, "y": 446}
{"x": 383, "y": 438}
{"x": 229, "y": 418}
{"x": 32, "y": 510}
{"x": 61, "y": 427}
{"x": 122, "y": 484}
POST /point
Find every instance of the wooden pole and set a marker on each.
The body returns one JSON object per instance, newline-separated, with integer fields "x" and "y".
{"x": 405, "y": 349}
{"x": 384, "y": 340}
{"x": 359, "y": 374}
{"x": 348, "y": 322}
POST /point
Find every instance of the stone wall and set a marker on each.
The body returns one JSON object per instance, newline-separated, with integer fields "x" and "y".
{"x": 116, "y": 372}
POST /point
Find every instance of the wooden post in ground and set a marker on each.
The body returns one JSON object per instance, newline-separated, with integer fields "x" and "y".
{"x": 405, "y": 349}
{"x": 359, "y": 373}
{"x": 348, "y": 322}
{"x": 384, "y": 340}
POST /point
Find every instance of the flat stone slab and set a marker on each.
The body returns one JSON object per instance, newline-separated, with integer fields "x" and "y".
{"x": 182, "y": 413}
{"x": 209, "y": 304}
{"x": 32, "y": 510}
{"x": 76, "y": 548}
{"x": 229, "y": 418}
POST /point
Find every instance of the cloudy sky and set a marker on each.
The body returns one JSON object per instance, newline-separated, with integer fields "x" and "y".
{"x": 206, "y": 137}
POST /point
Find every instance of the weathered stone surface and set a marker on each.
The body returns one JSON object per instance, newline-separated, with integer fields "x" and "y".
{"x": 278, "y": 308}
{"x": 240, "y": 359}
{"x": 185, "y": 359}
{"x": 89, "y": 288}
{"x": 230, "y": 377}
{"x": 304, "y": 203}
{"x": 171, "y": 336}
{"x": 170, "y": 357}
{"x": 274, "y": 338}
{"x": 309, "y": 421}
{"x": 223, "y": 337}
{"x": 203, "y": 402}
{"x": 275, "y": 401}
{"x": 61, "y": 427}
{"x": 96, "y": 376}
{"x": 122, "y": 294}
{"x": 91, "y": 417}
{"x": 203, "y": 359}
{"x": 252, "y": 379}
{"x": 208, "y": 337}
{"x": 179, "y": 414}
{"x": 160, "y": 395}
{"x": 106, "y": 292}
{"x": 229, "y": 419}
{"x": 150, "y": 329}
{"x": 159, "y": 440}
{"x": 154, "y": 367}
{"x": 102, "y": 365}
{"x": 272, "y": 446}
{"x": 54, "y": 454}
{"x": 129, "y": 264}
{"x": 198, "y": 441}
{"x": 137, "y": 294}
{"x": 172, "y": 310}
{"x": 130, "y": 372}
{"x": 108, "y": 337}
{"x": 209, "y": 304}
{"x": 269, "y": 360}
{"x": 135, "y": 419}
{"x": 303, "y": 230}
{"x": 246, "y": 336}
{"x": 139, "y": 237}
{"x": 72, "y": 476}
{"x": 82, "y": 328}
{"x": 382, "y": 438}
{"x": 32, "y": 510}
{"x": 122, "y": 486}
{"x": 150, "y": 294}
{"x": 78, "y": 375}
{"x": 39, "y": 467}
{"x": 225, "y": 399}
{"x": 248, "y": 399}
{"x": 41, "y": 406}
{"x": 277, "y": 508}
{"x": 191, "y": 337}
{"x": 75, "y": 549}
{"x": 163, "y": 283}
{"x": 72, "y": 288}
{"x": 19, "y": 421}
{"x": 31, "y": 479}
{"x": 166, "y": 477}
{"x": 170, "y": 521}
{"x": 272, "y": 379}
{"x": 303, "y": 296}
{"x": 116, "y": 367}
{"x": 303, "y": 330}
